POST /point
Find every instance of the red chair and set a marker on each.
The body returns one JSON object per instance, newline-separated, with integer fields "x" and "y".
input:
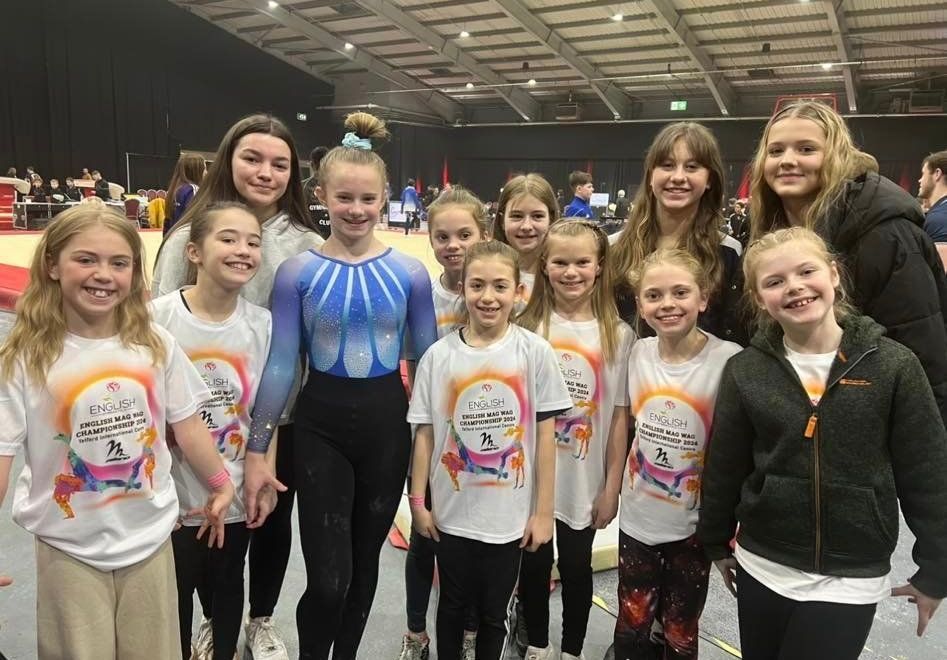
{"x": 132, "y": 205}
{"x": 142, "y": 192}
{"x": 162, "y": 194}
{"x": 152, "y": 194}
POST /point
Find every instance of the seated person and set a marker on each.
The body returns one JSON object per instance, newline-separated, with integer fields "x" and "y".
{"x": 72, "y": 192}
{"x": 101, "y": 186}
{"x": 38, "y": 191}
{"x": 56, "y": 194}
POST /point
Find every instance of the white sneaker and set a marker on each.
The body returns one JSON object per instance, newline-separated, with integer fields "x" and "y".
{"x": 204, "y": 644}
{"x": 569, "y": 656}
{"x": 414, "y": 648}
{"x": 469, "y": 650}
{"x": 536, "y": 653}
{"x": 264, "y": 641}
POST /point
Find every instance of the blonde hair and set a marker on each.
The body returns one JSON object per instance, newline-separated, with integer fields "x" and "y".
{"x": 753, "y": 256}
{"x": 458, "y": 197}
{"x": 641, "y": 234}
{"x": 533, "y": 185}
{"x": 675, "y": 257}
{"x": 488, "y": 250}
{"x": 365, "y": 126}
{"x": 40, "y": 327}
{"x": 841, "y": 162}
{"x": 542, "y": 300}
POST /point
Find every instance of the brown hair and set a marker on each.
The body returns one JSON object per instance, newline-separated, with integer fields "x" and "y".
{"x": 188, "y": 170}
{"x": 542, "y": 299}
{"x": 40, "y": 326}
{"x": 367, "y": 127}
{"x": 458, "y": 196}
{"x": 676, "y": 257}
{"x": 531, "y": 184}
{"x": 489, "y": 250}
{"x": 203, "y": 224}
{"x": 641, "y": 233}
{"x": 218, "y": 184}
{"x": 841, "y": 162}
{"x": 937, "y": 161}
{"x": 757, "y": 248}
{"x": 579, "y": 178}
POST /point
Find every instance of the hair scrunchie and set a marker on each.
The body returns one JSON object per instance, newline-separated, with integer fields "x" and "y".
{"x": 353, "y": 141}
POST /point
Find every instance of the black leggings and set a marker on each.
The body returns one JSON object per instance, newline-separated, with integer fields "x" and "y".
{"x": 773, "y": 627}
{"x": 271, "y": 544}
{"x": 575, "y": 574}
{"x": 419, "y": 578}
{"x": 351, "y": 461}
{"x": 475, "y": 574}
{"x": 217, "y": 574}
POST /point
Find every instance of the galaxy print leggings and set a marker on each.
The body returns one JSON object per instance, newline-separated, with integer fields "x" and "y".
{"x": 670, "y": 578}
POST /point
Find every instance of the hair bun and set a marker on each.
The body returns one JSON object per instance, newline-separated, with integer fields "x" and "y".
{"x": 366, "y": 126}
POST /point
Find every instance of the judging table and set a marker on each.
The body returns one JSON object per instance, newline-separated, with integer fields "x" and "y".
{"x": 36, "y": 215}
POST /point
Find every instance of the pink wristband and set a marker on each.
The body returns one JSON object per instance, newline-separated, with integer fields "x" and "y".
{"x": 218, "y": 480}
{"x": 416, "y": 500}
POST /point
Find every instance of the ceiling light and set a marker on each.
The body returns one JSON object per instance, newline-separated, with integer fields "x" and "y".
{"x": 826, "y": 65}
{"x": 617, "y": 18}
{"x": 464, "y": 34}
{"x": 469, "y": 85}
{"x": 531, "y": 82}
{"x": 272, "y": 5}
{"x": 348, "y": 46}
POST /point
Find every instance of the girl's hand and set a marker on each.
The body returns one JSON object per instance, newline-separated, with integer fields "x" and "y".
{"x": 5, "y": 580}
{"x": 423, "y": 522}
{"x": 604, "y": 509}
{"x": 257, "y": 474}
{"x": 728, "y": 569}
{"x": 538, "y": 531}
{"x": 265, "y": 504}
{"x": 926, "y": 606}
{"x": 214, "y": 514}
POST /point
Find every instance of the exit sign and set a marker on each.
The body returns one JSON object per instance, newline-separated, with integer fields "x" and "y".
{"x": 678, "y": 105}
{"x": 301, "y": 116}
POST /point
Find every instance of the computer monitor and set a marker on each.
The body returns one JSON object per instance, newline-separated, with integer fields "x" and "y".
{"x": 599, "y": 200}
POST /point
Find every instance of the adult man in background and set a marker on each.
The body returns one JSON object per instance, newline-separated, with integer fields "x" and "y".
{"x": 933, "y": 186}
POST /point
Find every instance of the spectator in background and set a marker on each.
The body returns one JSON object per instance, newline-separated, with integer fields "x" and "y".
{"x": 101, "y": 186}
{"x": 317, "y": 210}
{"x": 72, "y": 192}
{"x": 622, "y": 204}
{"x": 430, "y": 194}
{"x": 560, "y": 199}
{"x": 185, "y": 180}
{"x": 737, "y": 221}
{"x": 11, "y": 172}
{"x": 56, "y": 194}
{"x": 30, "y": 173}
{"x": 582, "y": 189}
{"x": 933, "y": 186}
{"x": 85, "y": 174}
{"x": 38, "y": 192}
{"x": 410, "y": 205}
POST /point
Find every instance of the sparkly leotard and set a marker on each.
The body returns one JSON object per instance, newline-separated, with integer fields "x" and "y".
{"x": 352, "y": 317}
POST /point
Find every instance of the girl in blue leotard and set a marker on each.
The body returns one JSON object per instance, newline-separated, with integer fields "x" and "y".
{"x": 349, "y": 304}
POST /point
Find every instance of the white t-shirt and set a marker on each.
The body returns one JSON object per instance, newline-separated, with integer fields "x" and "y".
{"x": 813, "y": 371}
{"x": 596, "y": 387}
{"x": 447, "y": 308}
{"x": 482, "y": 403}
{"x": 97, "y": 480}
{"x": 230, "y": 356}
{"x": 673, "y": 406}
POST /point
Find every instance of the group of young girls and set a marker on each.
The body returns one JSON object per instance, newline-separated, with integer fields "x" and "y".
{"x": 162, "y": 440}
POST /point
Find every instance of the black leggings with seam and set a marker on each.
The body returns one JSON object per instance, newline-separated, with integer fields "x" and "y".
{"x": 352, "y": 450}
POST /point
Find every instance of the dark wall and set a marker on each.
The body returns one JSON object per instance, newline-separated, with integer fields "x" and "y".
{"x": 88, "y": 81}
{"x": 483, "y": 158}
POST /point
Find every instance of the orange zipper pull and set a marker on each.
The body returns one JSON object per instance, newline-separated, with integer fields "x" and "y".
{"x": 810, "y": 427}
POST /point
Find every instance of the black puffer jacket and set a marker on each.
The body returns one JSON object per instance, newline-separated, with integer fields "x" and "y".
{"x": 896, "y": 276}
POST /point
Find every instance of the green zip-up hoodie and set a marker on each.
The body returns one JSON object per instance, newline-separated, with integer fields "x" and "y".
{"x": 817, "y": 487}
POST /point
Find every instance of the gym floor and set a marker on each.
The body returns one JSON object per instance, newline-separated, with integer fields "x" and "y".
{"x": 892, "y": 637}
